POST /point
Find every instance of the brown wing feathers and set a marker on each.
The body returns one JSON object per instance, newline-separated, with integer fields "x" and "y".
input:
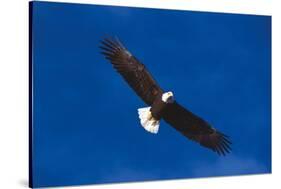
{"x": 131, "y": 70}
{"x": 196, "y": 129}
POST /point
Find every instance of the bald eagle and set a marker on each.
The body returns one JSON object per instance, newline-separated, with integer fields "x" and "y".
{"x": 162, "y": 105}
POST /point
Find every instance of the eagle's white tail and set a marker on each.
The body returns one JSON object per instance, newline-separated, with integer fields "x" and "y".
{"x": 147, "y": 121}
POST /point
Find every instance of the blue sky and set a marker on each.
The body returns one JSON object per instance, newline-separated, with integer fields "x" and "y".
{"x": 85, "y": 125}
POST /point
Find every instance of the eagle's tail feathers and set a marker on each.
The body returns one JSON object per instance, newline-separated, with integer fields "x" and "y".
{"x": 147, "y": 121}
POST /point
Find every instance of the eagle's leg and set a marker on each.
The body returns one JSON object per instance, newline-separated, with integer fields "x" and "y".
{"x": 148, "y": 122}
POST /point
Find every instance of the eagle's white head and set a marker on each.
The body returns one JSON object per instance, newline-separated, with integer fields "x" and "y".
{"x": 168, "y": 97}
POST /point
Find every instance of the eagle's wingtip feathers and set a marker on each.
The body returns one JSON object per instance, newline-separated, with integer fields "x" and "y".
{"x": 223, "y": 146}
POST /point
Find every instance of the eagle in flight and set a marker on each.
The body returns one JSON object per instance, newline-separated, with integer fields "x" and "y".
{"x": 162, "y": 105}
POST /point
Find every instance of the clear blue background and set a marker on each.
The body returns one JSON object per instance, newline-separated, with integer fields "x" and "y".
{"x": 86, "y": 127}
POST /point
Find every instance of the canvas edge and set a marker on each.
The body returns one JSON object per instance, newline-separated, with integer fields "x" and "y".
{"x": 30, "y": 94}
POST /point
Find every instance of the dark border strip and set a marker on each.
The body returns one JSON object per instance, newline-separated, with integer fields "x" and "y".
{"x": 30, "y": 94}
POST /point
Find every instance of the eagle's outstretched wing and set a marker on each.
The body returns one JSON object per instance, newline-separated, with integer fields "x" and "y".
{"x": 133, "y": 71}
{"x": 196, "y": 129}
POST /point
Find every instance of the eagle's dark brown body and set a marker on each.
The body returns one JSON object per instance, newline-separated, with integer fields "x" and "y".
{"x": 158, "y": 107}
